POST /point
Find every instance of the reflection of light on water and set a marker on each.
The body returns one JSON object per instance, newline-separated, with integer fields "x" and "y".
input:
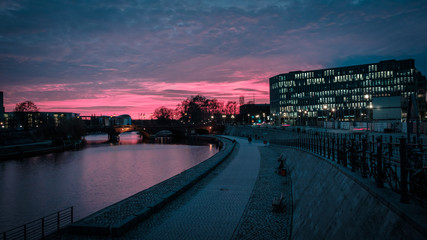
{"x": 89, "y": 179}
{"x": 129, "y": 138}
{"x": 125, "y": 138}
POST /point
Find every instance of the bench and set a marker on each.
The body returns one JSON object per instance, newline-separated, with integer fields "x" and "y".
{"x": 278, "y": 203}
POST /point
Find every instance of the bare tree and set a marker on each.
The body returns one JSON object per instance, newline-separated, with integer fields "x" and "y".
{"x": 231, "y": 108}
{"x": 163, "y": 115}
{"x": 198, "y": 109}
{"x": 26, "y": 106}
{"x": 26, "y": 114}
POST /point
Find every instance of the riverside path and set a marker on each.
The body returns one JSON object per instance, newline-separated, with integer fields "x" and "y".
{"x": 214, "y": 209}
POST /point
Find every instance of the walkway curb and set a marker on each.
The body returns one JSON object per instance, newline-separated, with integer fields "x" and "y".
{"x": 117, "y": 228}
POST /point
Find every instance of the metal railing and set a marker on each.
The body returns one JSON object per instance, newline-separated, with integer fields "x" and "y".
{"x": 392, "y": 163}
{"x": 41, "y": 228}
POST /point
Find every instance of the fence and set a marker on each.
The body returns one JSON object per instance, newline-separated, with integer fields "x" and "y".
{"x": 394, "y": 163}
{"x": 42, "y": 227}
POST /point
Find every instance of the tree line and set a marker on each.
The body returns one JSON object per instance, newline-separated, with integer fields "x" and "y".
{"x": 197, "y": 109}
{"x": 193, "y": 110}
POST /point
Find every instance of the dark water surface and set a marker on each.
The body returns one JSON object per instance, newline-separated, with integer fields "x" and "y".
{"x": 90, "y": 179}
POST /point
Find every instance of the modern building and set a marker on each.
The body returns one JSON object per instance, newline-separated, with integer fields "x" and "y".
{"x": 345, "y": 93}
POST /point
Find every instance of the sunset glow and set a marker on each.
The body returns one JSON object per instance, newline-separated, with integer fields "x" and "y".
{"x": 132, "y": 57}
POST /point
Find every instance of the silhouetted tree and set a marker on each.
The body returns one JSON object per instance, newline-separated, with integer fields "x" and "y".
{"x": 26, "y": 106}
{"x": 197, "y": 109}
{"x": 230, "y": 108}
{"x": 163, "y": 115}
{"x": 26, "y": 114}
{"x": 191, "y": 109}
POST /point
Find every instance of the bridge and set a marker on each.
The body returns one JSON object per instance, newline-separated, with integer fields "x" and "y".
{"x": 148, "y": 131}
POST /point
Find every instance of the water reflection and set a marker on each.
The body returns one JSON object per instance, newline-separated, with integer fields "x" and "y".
{"x": 127, "y": 138}
{"x": 90, "y": 179}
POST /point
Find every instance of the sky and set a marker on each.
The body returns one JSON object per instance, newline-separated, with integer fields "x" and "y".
{"x": 131, "y": 57}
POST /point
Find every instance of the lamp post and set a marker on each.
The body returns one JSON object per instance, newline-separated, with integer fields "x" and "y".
{"x": 305, "y": 117}
{"x": 325, "y": 107}
{"x": 366, "y": 116}
{"x": 369, "y": 113}
{"x": 334, "y": 116}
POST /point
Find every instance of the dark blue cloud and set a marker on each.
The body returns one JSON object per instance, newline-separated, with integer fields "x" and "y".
{"x": 191, "y": 41}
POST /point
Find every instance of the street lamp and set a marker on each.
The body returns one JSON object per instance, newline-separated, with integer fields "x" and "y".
{"x": 366, "y": 97}
{"x": 333, "y": 113}
{"x": 325, "y": 107}
{"x": 305, "y": 117}
{"x": 369, "y": 112}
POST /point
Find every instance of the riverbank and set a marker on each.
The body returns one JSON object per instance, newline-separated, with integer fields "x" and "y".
{"x": 123, "y": 215}
{"x": 31, "y": 149}
{"x": 257, "y": 219}
{"x": 313, "y": 190}
{"x": 34, "y": 149}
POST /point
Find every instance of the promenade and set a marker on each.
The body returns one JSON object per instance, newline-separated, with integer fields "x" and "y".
{"x": 234, "y": 201}
{"x": 231, "y": 202}
{"x": 215, "y": 206}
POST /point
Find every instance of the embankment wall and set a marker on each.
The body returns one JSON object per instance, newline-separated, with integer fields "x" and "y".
{"x": 330, "y": 202}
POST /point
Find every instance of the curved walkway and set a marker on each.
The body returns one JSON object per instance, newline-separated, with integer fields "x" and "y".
{"x": 234, "y": 201}
{"x": 215, "y": 209}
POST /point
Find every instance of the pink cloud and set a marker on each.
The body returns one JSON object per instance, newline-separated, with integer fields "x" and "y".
{"x": 208, "y": 75}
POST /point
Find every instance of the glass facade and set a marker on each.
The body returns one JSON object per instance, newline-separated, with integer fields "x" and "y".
{"x": 345, "y": 93}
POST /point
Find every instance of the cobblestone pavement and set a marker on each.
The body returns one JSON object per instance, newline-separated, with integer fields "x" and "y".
{"x": 218, "y": 207}
{"x": 213, "y": 208}
{"x": 259, "y": 221}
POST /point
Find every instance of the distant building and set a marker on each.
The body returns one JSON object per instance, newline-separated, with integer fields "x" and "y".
{"x": 254, "y": 113}
{"x": 1, "y": 103}
{"x": 20, "y": 120}
{"x": 345, "y": 93}
{"x": 58, "y": 117}
{"x": 123, "y": 120}
{"x": 1, "y": 109}
{"x": 2, "y": 124}
{"x": 106, "y": 121}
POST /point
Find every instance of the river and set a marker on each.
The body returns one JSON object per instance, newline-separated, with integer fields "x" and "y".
{"x": 89, "y": 179}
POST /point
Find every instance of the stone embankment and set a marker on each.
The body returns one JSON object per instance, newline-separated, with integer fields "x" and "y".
{"x": 120, "y": 217}
{"x": 34, "y": 149}
{"x": 330, "y": 202}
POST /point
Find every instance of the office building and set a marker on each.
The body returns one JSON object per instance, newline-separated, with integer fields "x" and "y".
{"x": 344, "y": 93}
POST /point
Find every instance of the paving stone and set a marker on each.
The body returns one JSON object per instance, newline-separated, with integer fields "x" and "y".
{"x": 219, "y": 206}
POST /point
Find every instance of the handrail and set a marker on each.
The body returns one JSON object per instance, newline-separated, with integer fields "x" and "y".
{"x": 399, "y": 164}
{"x": 40, "y": 228}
